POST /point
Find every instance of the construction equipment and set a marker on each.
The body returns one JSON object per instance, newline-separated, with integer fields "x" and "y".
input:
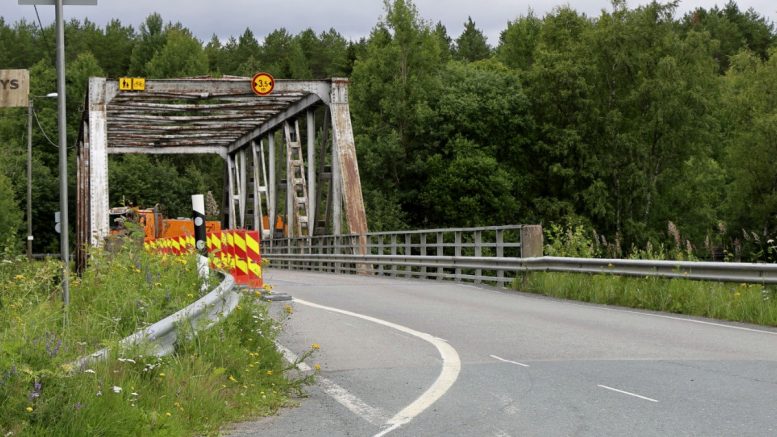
{"x": 154, "y": 225}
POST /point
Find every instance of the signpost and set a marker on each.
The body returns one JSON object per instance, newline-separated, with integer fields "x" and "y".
{"x": 62, "y": 127}
{"x": 262, "y": 84}
{"x": 14, "y": 88}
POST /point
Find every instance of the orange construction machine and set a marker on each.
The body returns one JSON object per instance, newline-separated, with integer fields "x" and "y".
{"x": 154, "y": 225}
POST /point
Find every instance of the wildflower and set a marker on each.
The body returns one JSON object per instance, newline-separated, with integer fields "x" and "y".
{"x": 116, "y": 389}
{"x": 19, "y": 277}
{"x": 36, "y": 390}
{"x": 267, "y": 287}
{"x": 90, "y": 371}
{"x": 737, "y": 294}
{"x": 29, "y": 409}
{"x": 134, "y": 394}
{"x": 99, "y": 393}
{"x": 316, "y": 346}
{"x": 257, "y": 293}
{"x": 127, "y": 360}
{"x": 168, "y": 414}
{"x": 269, "y": 373}
{"x": 190, "y": 296}
{"x": 162, "y": 375}
{"x": 77, "y": 406}
{"x": 232, "y": 378}
{"x": 67, "y": 367}
{"x": 288, "y": 308}
{"x": 317, "y": 367}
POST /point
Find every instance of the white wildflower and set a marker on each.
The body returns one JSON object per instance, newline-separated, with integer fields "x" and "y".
{"x": 90, "y": 371}
{"x": 127, "y": 360}
{"x": 116, "y": 389}
{"x": 99, "y": 393}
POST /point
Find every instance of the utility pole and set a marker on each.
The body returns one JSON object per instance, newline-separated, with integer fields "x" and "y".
{"x": 62, "y": 126}
{"x": 29, "y": 180}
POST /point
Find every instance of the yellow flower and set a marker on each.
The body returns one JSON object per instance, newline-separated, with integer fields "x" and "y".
{"x": 316, "y": 346}
{"x": 29, "y": 409}
{"x": 232, "y": 378}
{"x": 190, "y": 296}
{"x": 267, "y": 287}
{"x": 161, "y": 375}
{"x": 317, "y": 367}
{"x": 168, "y": 414}
{"x": 19, "y": 277}
{"x": 257, "y": 293}
{"x": 269, "y": 373}
{"x": 288, "y": 309}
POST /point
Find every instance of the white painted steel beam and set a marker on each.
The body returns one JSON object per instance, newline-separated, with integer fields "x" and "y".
{"x": 311, "y": 130}
{"x": 100, "y": 93}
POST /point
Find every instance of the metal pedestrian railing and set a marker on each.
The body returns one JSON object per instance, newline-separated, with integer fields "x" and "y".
{"x": 490, "y": 255}
{"x": 460, "y": 254}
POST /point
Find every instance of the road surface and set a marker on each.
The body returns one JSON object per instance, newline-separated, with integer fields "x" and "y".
{"x": 426, "y": 358}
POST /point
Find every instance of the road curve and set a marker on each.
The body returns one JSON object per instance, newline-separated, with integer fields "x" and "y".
{"x": 529, "y": 365}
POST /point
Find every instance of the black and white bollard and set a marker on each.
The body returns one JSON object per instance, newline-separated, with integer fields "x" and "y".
{"x": 198, "y": 216}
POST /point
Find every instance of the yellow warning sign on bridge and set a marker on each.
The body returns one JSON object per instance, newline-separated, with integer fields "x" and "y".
{"x": 132, "y": 84}
{"x": 262, "y": 84}
{"x": 138, "y": 84}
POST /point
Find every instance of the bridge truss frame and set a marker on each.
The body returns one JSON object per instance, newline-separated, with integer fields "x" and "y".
{"x": 224, "y": 117}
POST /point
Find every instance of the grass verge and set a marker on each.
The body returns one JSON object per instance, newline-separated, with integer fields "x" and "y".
{"x": 223, "y": 374}
{"x": 747, "y": 303}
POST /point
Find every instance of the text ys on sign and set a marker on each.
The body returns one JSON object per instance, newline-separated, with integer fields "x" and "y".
{"x": 14, "y": 88}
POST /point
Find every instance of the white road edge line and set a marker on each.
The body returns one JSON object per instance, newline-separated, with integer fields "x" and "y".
{"x": 627, "y": 393}
{"x": 373, "y": 415}
{"x": 508, "y": 361}
{"x": 451, "y": 366}
{"x": 681, "y": 319}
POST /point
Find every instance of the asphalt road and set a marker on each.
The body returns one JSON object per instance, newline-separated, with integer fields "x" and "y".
{"x": 424, "y": 358}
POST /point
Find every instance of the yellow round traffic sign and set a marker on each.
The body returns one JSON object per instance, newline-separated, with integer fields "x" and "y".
{"x": 262, "y": 84}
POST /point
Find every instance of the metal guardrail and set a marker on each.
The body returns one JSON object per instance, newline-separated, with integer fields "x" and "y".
{"x": 163, "y": 334}
{"x": 480, "y": 255}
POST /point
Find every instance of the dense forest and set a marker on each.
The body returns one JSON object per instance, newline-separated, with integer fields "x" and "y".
{"x": 638, "y": 125}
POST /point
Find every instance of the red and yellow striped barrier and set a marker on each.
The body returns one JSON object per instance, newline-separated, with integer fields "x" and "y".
{"x": 235, "y": 251}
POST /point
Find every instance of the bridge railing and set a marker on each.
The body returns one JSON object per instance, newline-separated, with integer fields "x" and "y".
{"x": 491, "y": 255}
{"x": 459, "y": 254}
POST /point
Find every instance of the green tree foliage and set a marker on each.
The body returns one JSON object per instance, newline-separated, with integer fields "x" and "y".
{"x": 181, "y": 56}
{"x": 733, "y": 29}
{"x": 472, "y": 45}
{"x": 752, "y": 152}
{"x": 151, "y": 39}
{"x": 623, "y": 121}
{"x": 518, "y": 42}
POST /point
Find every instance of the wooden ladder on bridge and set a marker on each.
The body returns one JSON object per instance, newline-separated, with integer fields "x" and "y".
{"x": 297, "y": 184}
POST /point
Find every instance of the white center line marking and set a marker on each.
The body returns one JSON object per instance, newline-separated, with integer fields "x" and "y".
{"x": 451, "y": 366}
{"x": 373, "y": 415}
{"x": 627, "y": 393}
{"x": 508, "y": 361}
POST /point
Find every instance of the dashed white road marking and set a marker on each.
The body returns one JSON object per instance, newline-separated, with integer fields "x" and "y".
{"x": 627, "y": 393}
{"x": 451, "y": 366}
{"x": 373, "y": 415}
{"x": 508, "y": 361}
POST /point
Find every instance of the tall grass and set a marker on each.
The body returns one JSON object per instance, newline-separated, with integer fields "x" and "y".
{"x": 750, "y": 303}
{"x": 215, "y": 376}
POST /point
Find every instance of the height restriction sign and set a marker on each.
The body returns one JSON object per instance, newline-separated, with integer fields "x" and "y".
{"x": 262, "y": 84}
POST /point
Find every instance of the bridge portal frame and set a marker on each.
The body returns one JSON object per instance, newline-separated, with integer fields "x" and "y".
{"x": 224, "y": 117}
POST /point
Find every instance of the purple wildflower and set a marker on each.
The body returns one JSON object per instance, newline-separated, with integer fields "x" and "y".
{"x": 37, "y": 387}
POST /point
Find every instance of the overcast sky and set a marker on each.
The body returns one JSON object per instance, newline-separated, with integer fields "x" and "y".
{"x": 352, "y": 18}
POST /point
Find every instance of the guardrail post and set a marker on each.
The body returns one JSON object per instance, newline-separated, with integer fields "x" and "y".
{"x": 500, "y": 253}
{"x": 531, "y": 241}
{"x": 478, "y": 252}
{"x": 394, "y": 253}
{"x": 423, "y": 253}
{"x": 440, "y": 252}
{"x": 457, "y": 253}
{"x": 408, "y": 252}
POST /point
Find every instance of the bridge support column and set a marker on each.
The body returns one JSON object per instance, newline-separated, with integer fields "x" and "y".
{"x": 101, "y": 93}
{"x": 348, "y": 175}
